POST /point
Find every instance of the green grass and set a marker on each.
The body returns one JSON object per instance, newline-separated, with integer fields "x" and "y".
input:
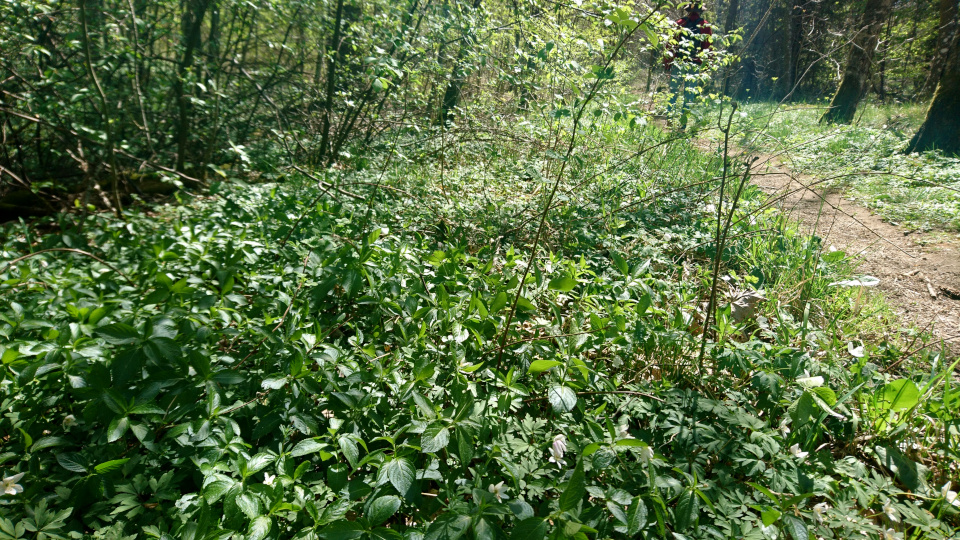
{"x": 865, "y": 160}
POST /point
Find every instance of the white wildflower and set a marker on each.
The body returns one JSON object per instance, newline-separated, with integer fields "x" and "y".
{"x": 646, "y": 454}
{"x": 891, "y": 512}
{"x": 556, "y": 457}
{"x": 560, "y": 444}
{"x": 797, "y": 453}
{"x": 624, "y": 432}
{"x": 950, "y": 496}
{"x": 69, "y": 421}
{"x": 818, "y": 511}
{"x": 499, "y": 490}
{"x": 890, "y": 534}
{"x": 810, "y": 382}
{"x": 269, "y": 479}
{"x": 10, "y": 485}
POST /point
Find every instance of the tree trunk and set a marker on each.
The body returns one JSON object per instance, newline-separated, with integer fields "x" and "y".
{"x": 856, "y": 74}
{"x": 729, "y": 23}
{"x": 941, "y": 129}
{"x": 947, "y": 29}
{"x": 451, "y": 97}
{"x": 191, "y": 23}
{"x": 331, "y": 82}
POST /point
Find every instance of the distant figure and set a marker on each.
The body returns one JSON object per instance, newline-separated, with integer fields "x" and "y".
{"x": 684, "y": 60}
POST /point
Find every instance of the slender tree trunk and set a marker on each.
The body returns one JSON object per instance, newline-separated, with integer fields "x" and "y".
{"x": 729, "y": 24}
{"x": 941, "y": 129}
{"x": 451, "y": 97}
{"x": 191, "y": 23}
{"x": 946, "y": 30}
{"x": 331, "y": 82}
{"x": 856, "y": 74}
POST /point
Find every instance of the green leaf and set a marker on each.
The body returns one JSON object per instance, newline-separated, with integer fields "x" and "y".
{"x": 631, "y": 443}
{"x": 259, "y": 528}
{"x": 620, "y": 263}
{"x": 146, "y": 408}
{"x": 48, "y": 442}
{"x": 307, "y": 446}
{"x": 72, "y": 462}
{"x": 769, "y": 515}
{"x": 159, "y": 349}
{"x": 248, "y": 504}
{"x": 688, "y": 509}
{"x": 382, "y": 509}
{"x": 383, "y": 533}
{"x": 766, "y": 492}
{"x": 117, "y": 428}
{"x": 576, "y": 489}
{"x": 350, "y": 450}
{"x": 342, "y": 530}
{"x": 118, "y": 333}
{"x": 110, "y": 466}
{"x": 530, "y": 529}
{"x": 448, "y": 527}
{"x": 900, "y": 395}
{"x": 434, "y": 439}
{"x": 795, "y": 527}
{"x": 399, "y": 472}
{"x": 539, "y": 366}
{"x": 562, "y": 284}
{"x": 563, "y": 398}
{"x": 213, "y": 491}
{"x": 636, "y": 517}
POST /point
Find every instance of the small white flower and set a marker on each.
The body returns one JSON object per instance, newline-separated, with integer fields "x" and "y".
{"x": 327, "y": 413}
{"x": 646, "y": 454}
{"x": 10, "y": 485}
{"x": 560, "y": 444}
{"x": 624, "y": 432}
{"x": 890, "y": 534}
{"x": 818, "y": 511}
{"x": 891, "y": 512}
{"x": 556, "y": 457}
{"x": 269, "y": 479}
{"x": 797, "y": 453}
{"x": 950, "y": 496}
{"x": 810, "y": 382}
{"x": 69, "y": 421}
{"x": 499, "y": 490}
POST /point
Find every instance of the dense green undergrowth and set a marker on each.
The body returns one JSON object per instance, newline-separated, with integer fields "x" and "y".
{"x": 865, "y": 160}
{"x": 285, "y": 361}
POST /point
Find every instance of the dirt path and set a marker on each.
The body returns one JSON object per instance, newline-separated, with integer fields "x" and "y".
{"x": 911, "y": 268}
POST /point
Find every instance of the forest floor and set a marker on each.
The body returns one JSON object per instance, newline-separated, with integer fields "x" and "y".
{"x": 919, "y": 273}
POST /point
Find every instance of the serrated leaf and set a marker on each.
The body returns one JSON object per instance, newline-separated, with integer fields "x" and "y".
{"x": 350, "y": 450}
{"x": 399, "y": 472}
{"x": 248, "y": 504}
{"x": 688, "y": 509}
{"x": 72, "y": 462}
{"x": 382, "y": 509}
{"x": 795, "y": 527}
{"x": 636, "y": 516}
{"x": 116, "y": 429}
{"x": 118, "y": 333}
{"x": 342, "y": 530}
{"x": 448, "y": 527}
{"x": 307, "y": 446}
{"x": 534, "y": 528}
{"x": 259, "y": 528}
{"x": 563, "y": 398}
{"x": 213, "y": 491}
{"x": 434, "y": 439}
{"x": 48, "y": 442}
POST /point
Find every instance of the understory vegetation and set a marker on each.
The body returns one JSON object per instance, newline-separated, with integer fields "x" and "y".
{"x": 920, "y": 191}
{"x": 430, "y": 271}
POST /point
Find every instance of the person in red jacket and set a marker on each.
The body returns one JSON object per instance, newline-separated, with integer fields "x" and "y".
{"x": 684, "y": 60}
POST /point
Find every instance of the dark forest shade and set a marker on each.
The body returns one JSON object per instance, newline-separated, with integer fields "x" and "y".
{"x": 856, "y": 74}
{"x": 941, "y": 129}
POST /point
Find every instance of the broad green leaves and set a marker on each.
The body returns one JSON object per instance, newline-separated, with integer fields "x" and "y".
{"x": 399, "y": 472}
{"x": 562, "y": 398}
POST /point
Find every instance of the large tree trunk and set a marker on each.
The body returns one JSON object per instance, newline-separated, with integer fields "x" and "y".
{"x": 325, "y": 121}
{"x": 947, "y": 29}
{"x": 941, "y": 129}
{"x": 856, "y": 74}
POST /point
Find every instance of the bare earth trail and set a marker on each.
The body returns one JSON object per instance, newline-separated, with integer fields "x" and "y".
{"x": 920, "y": 278}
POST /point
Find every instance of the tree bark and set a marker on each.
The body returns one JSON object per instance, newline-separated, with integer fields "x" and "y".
{"x": 451, "y": 97}
{"x": 856, "y": 73}
{"x": 191, "y": 23}
{"x": 946, "y": 30}
{"x": 331, "y": 82}
{"x": 941, "y": 129}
